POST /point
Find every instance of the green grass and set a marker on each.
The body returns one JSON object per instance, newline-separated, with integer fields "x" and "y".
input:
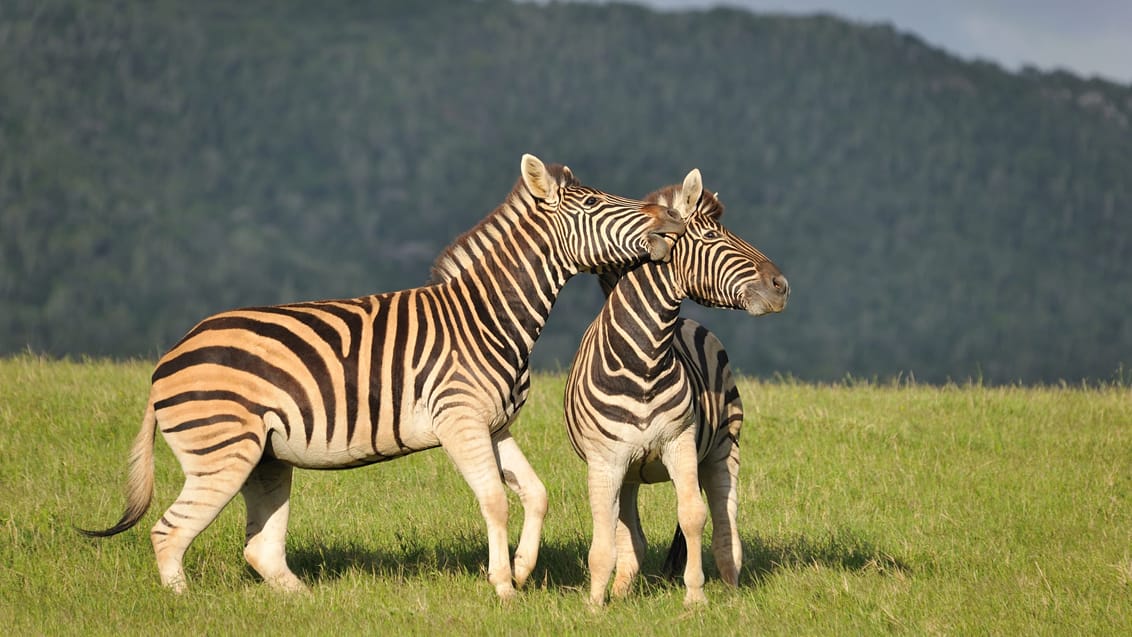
{"x": 865, "y": 508}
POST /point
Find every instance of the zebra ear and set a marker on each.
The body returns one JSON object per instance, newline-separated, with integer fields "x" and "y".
{"x": 538, "y": 180}
{"x": 690, "y": 194}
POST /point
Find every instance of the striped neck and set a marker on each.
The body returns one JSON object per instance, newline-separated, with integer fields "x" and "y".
{"x": 508, "y": 269}
{"x": 641, "y": 314}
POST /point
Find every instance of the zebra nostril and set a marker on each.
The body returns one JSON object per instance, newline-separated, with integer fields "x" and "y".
{"x": 780, "y": 284}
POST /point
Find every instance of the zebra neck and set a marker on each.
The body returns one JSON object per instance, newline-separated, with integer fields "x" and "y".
{"x": 643, "y": 308}
{"x": 507, "y": 269}
{"x": 511, "y": 306}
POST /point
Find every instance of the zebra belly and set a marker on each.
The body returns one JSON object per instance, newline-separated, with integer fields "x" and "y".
{"x": 320, "y": 456}
{"x": 416, "y": 435}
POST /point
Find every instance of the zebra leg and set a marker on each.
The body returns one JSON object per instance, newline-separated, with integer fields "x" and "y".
{"x": 720, "y": 478}
{"x": 213, "y": 476}
{"x": 521, "y": 478}
{"x": 469, "y": 446}
{"x": 630, "y": 541}
{"x": 680, "y": 460}
{"x": 604, "y": 487}
{"x": 267, "y": 494}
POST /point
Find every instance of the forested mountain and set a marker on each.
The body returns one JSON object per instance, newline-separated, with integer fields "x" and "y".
{"x": 160, "y": 161}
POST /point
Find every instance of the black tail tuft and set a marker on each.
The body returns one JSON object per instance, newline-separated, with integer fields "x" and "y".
{"x": 129, "y": 519}
{"x": 677, "y": 556}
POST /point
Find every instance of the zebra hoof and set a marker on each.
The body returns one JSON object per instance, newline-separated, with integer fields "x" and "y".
{"x": 506, "y": 592}
{"x": 522, "y": 571}
{"x": 175, "y": 584}
{"x": 695, "y": 598}
{"x": 289, "y": 585}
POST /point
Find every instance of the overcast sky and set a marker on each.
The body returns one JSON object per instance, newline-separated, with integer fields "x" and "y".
{"x": 1087, "y": 37}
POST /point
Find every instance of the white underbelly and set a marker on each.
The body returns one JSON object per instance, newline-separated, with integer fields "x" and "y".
{"x": 415, "y": 433}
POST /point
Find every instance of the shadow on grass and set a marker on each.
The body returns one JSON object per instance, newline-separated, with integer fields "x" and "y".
{"x": 316, "y": 563}
{"x": 562, "y": 565}
{"x": 842, "y": 550}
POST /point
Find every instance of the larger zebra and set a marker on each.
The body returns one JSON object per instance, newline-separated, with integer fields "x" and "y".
{"x": 249, "y": 394}
{"x": 636, "y": 412}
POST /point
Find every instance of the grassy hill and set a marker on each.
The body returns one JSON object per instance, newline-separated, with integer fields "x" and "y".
{"x": 160, "y": 161}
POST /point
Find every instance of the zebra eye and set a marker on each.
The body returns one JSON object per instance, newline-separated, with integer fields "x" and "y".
{"x": 590, "y": 201}
{"x": 711, "y": 234}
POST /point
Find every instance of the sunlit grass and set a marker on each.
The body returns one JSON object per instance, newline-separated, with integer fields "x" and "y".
{"x": 865, "y": 508}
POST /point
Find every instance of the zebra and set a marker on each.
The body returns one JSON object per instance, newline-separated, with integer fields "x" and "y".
{"x": 249, "y": 394}
{"x": 637, "y": 412}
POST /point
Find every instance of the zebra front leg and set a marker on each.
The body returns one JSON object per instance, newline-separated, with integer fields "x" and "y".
{"x": 630, "y": 541}
{"x": 720, "y": 479}
{"x": 604, "y": 489}
{"x": 471, "y": 450}
{"x": 680, "y": 460}
{"x": 267, "y": 494}
{"x": 521, "y": 478}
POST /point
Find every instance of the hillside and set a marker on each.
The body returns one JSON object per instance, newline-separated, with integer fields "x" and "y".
{"x": 936, "y": 217}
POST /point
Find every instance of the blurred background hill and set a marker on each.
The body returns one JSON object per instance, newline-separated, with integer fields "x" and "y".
{"x": 941, "y": 218}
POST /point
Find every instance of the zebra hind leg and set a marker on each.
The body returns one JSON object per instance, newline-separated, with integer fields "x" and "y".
{"x": 267, "y": 494}
{"x": 720, "y": 480}
{"x": 213, "y": 476}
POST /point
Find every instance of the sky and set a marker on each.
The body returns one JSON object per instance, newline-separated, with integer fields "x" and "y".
{"x": 1086, "y": 37}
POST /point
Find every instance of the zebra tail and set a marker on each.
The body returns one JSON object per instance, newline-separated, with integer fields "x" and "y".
{"x": 139, "y": 486}
{"x": 677, "y": 556}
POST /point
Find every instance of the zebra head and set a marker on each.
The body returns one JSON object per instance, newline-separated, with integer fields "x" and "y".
{"x": 594, "y": 228}
{"x": 713, "y": 266}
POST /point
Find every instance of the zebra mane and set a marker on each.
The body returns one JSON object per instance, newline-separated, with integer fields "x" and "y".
{"x": 460, "y": 254}
{"x": 709, "y": 204}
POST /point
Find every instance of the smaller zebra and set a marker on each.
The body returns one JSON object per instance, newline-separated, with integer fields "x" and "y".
{"x": 637, "y": 414}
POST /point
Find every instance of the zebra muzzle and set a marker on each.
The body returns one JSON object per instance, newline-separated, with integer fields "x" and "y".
{"x": 660, "y": 246}
{"x": 669, "y": 225}
{"x": 759, "y": 299}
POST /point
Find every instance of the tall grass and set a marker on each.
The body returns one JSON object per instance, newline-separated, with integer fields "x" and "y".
{"x": 865, "y": 508}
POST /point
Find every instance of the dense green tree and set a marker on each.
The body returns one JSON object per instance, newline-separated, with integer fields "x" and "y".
{"x": 160, "y": 161}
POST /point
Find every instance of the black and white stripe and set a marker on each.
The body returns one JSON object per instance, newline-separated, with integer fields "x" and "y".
{"x": 249, "y": 394}
{"x": 649, "y": 397}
